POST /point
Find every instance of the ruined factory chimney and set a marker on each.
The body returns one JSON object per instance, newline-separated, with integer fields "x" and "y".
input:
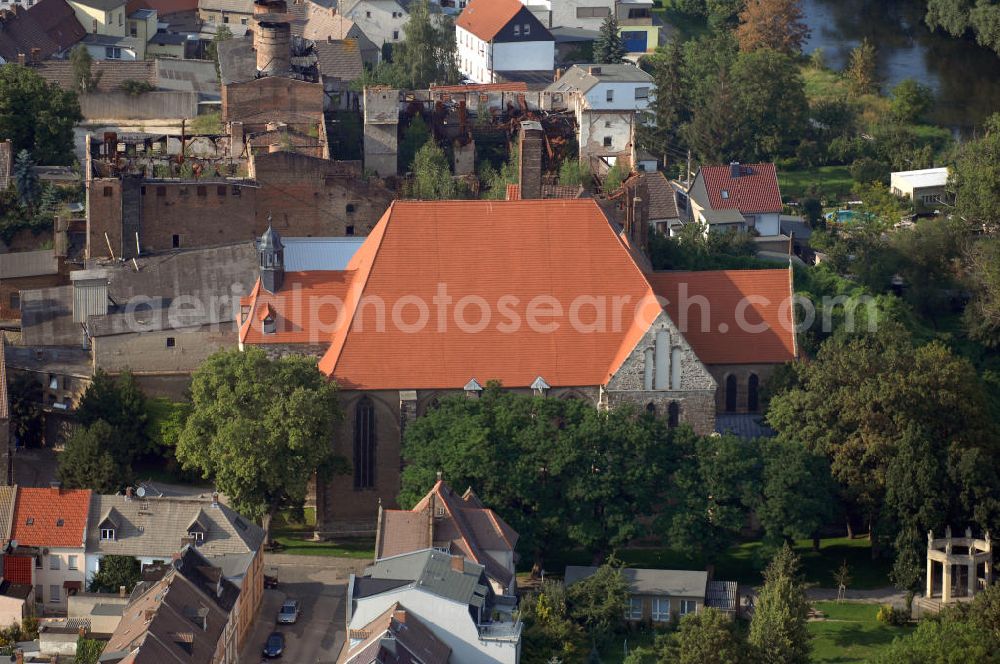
{"x": 262, "y": 9}
{"x": 274, "y": 47}
{"x": 529, "y": 166}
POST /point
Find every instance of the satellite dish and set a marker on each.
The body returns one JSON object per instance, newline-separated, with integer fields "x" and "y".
{"x": 13, "y": 545}
{"x": 141, "y": 492}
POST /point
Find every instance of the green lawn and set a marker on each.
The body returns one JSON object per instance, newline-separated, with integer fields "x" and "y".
{"x": 687, "y": 26}
{"x": 850, "y": 633}
{"x": 297, "y": 545}
{"x": 833, "y": 183}
{"x": 744, "y": 562}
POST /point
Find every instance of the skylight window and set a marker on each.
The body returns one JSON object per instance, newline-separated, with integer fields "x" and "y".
{"x": 725, "y": 194}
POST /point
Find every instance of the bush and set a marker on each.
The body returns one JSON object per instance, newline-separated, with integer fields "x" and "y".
{"x": 890, "y": 615}
{"x": 866, "y": 170}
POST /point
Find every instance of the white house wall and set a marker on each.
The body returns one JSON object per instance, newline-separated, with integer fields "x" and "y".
{"x": 624, "y": 96}
{"x": 524, "y": 56}
{"x": 449, "y": 621}
{"x": 473, "y": 56}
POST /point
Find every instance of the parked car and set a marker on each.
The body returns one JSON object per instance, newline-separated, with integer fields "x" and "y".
{"x": 275, "y": 645}
{"x": 289, "y": 612}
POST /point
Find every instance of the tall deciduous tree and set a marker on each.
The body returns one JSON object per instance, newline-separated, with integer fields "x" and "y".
{"x": 911, "y": 101}
{"x": 37, "y": 116}
{"x": 798, "y": 495}
{"x": 862, "y": 69}
{"x": 260, "y": 428}
{"x": 428, "y": 53}
{"x": 86, "y": 463}
{"x": 771, "y": 103}
{"x": 975, "y": 178}
{"x": 599, "y": 601}
{"x": 775, "y": 24}
{"x": 120, "y": 403}
{"x": 432, "y": 178}
{"x": 778, "y": 632}
{"x": 982, "y": 315}
{"x": 84, "y": 80}
{"x": 608, "y": 47}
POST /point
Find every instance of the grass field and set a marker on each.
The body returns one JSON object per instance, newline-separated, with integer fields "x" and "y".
{"x": 295, "y": 538}
{"x": 744, "y": 562}
{"x": 850, "y": 633}
{"x": 832, "y": 183}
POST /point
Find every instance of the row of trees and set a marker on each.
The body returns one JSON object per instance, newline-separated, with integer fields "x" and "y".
{"x": 959, "y": 17}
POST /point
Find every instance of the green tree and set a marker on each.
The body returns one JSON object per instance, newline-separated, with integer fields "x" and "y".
{"x": 608, "y": 47}
{"x": 114, "y": 572}
{"x": 25, "y": 413}
{"x": 975, "y": 178}
{"x": 941, "y": 640}
{"x": 911, "y": 101}
{"x": 770, "y": 101}
{"x": 548, "y": 630}
{"x": 982, "y": 315}
{"x": 120, "y": 403}
{"x": 87, "y": 463}
{"x": 778, "y": 633}
{"x": 798, "y": 495}
{"x": 495, "y": 181}
{"x": 708, "y": 636}
{"x": 428, "y": 53}
{"x": 712, "y": 492}
{"x": 432, "y": 178}
{"x": 37, "y": 116}
{"x": 88, "y": 651}
{"x": 669, "y": 105}
{"x": 599, "y": 601}
{"x": 573, "y": 173}
{"x": 862, "y": 69}
{"x": 84, "y": 80}
{"x": 26, "y": 180}
{"x": 260, "y": 428}
{"x": 415, "y": 136}
{"x": 778, "y": 25}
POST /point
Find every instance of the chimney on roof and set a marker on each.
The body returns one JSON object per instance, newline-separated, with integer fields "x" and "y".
{"x": 36, "y": 54}
{"x": 19, "y": 656}
{"x": 594, "y": 70}
{"x": 529, "y": 152}
{"x": 215, "y": 499}
{"x": 81, "y": 631}
{"x": 122, "y": 591}
{"x": 56, "y": 487}
{"x": 128, "y": 493}
{"x": 558, "y": 74}
{"x": 458, "y": 563}
{"x": 21, "y": 59}
{"x": 734, "y": 169}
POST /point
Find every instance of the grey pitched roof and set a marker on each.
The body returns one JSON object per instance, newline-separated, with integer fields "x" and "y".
{"x": 579, "y": 78}
{"x": 235, "y": 6}
{"x": 662, "y": 196}
{"x": 103, "y": 5}
{"x": 339, "y": 59}
{"x": 155, "y": 527}
{"x": 682, "y": 583}
{"x": 450, "y": 577}
{"x": 28, "y": 264}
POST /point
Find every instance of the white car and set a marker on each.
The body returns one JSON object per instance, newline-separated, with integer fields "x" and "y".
{"x": 289, "y": 612}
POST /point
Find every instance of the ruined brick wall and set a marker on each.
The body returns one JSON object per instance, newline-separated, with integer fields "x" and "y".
{"x": 178, "y": 351}
{"x": 198, "y": 214}
{"x": 104, "y": 215}
{"x": 316, "y": 197}
{"x": 273, "y": 98}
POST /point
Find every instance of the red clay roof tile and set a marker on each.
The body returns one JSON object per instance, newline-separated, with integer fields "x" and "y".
{"x": 485, "y": 18}
{"x": 754, "y": 191}
{"x": 38, "y": 512}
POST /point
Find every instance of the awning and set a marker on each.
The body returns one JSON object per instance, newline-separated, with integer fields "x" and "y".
{"x": 73, "y": 586}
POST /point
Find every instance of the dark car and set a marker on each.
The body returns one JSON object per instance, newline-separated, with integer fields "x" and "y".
{"x": 275, "y": 645}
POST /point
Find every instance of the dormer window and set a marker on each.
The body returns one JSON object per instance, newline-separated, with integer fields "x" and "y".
{"x": 517, "y": 30}
{"x": 107, "y": 534}
{"x": 270, "y": 327}
{"x": 30, "y": 521}
{"x": 197, "y": 536}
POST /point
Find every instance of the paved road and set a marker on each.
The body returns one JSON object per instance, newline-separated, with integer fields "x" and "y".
{"x": 320, "y": 585}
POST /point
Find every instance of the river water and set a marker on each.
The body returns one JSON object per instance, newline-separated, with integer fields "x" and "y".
{"x": 964, "y": 75}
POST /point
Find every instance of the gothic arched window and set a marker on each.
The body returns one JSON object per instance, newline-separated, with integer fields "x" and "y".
{"x": 753, "y": 398}
{"x": 673, "y": 414}
{"x": 730, "y": 393}
{"x": 364, "y": 444}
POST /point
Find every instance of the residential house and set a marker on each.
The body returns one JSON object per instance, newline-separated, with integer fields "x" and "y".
{"x": 609, "y": 102}
{"x": 927, "y": 186}
{"x": 742, "y": 197}
{"x": 142, "y": 27}
{"x": 638, "y": 26}
{"x": 460, "y": 525}
{"x": 501, "y": 37}
{"x": 50, "y": 28}
{"x": 54, "y": 520}
{"x": 382, "y": 21}
{"x": 661, "y": 197}
{"x": 226, "y": 12}
{"x": 154, "y": 529}
{"x": 449, "y": 595}
{"x": 663, "y": 359}
{"x": 17, "y": 591}
{"x": 182, "y": 612}
{"x": 340, "y": 62}
{"x": 23, "y": 270}
{"x": 395, "y": 636}
{"x": 585, "y": 14}
{"x": 102, "y": 17}
{"x": 319, "y": 20}
{"x": 664, "y": 595}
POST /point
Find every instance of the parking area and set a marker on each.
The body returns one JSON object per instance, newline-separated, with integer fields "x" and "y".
{"x": 320, "y": 586}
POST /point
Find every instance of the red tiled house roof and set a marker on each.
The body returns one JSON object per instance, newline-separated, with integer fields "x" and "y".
{"x": 444, "y": 519}
{"x": 755, "y": 191}
{"x": 485, "y": 18}
{"x": 51, "y": 517}
{"x": 519, "y": 250}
